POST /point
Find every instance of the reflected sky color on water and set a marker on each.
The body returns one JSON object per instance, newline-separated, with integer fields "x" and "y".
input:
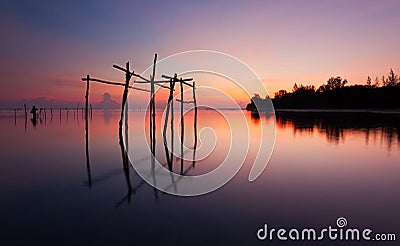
{"x": 323, "y": 167}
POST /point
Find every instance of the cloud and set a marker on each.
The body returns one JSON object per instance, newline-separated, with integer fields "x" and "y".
{"x": 107, "y": 103}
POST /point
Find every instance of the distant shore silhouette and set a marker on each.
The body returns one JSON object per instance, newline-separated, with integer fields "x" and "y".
{"x": 335, "y": 94}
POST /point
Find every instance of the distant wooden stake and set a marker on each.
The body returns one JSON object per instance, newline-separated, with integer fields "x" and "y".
{"x": 26, "y": 112}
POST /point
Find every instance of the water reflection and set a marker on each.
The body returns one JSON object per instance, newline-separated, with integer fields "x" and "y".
{"x": 335, "y": 125}
{"x": 311, "y": 180}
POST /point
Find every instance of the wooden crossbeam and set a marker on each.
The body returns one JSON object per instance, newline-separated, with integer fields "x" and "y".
{"x": 131, "y": 73}
{"x": 155, "y": 81}
{"x": 179, "y": 100}
{"x": 179, "y": 80}
{"x": 141, "y": 77}
{"x": 169, "y": 77}
{"x": 114, "y": 83}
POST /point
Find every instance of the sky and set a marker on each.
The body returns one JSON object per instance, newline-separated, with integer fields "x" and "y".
{"x": 47, "y": 46}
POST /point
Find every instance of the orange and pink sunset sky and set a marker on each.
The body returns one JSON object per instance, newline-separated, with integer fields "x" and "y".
{"x": 47, "y": 46}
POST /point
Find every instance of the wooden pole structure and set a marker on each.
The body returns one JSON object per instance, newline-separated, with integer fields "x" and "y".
{"x": 170, "y": 105}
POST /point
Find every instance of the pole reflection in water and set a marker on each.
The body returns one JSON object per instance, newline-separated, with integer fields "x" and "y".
{"x": 86, "y": 149}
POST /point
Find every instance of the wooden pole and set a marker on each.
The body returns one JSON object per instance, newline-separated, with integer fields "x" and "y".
{"x": 195, "y": 124}
{"x": 87, "y": 96}
{"x": 152, "y": 103}
{"x": 182, "y": 120}
{"x": 182, "y": 124}
{"x": 124, "y": 96}
{"x": 26, "y": 112}
{"x": 153, "y": 125}
{"x": 195, "y": 115}
{"x": 87, "y": 141}
{"x": 171, "y": 95}
{"x": 172, "y": 125}
{"x": 125, "y": 161}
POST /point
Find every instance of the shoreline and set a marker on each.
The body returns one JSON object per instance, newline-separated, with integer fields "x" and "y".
{"x": 328, "y": 110}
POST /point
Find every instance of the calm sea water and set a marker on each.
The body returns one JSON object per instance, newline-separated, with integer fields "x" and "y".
{"x": 323, "y": 166}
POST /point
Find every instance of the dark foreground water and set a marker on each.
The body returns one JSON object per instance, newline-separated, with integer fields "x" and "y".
{"x": 324, "y": 166}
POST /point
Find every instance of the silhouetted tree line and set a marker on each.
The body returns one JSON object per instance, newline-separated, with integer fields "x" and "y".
{"x": 260, "y": 104}
{"x": 335, "y": 94}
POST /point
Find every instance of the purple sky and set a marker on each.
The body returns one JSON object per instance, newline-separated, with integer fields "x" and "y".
{"x": 47, "y": 46}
